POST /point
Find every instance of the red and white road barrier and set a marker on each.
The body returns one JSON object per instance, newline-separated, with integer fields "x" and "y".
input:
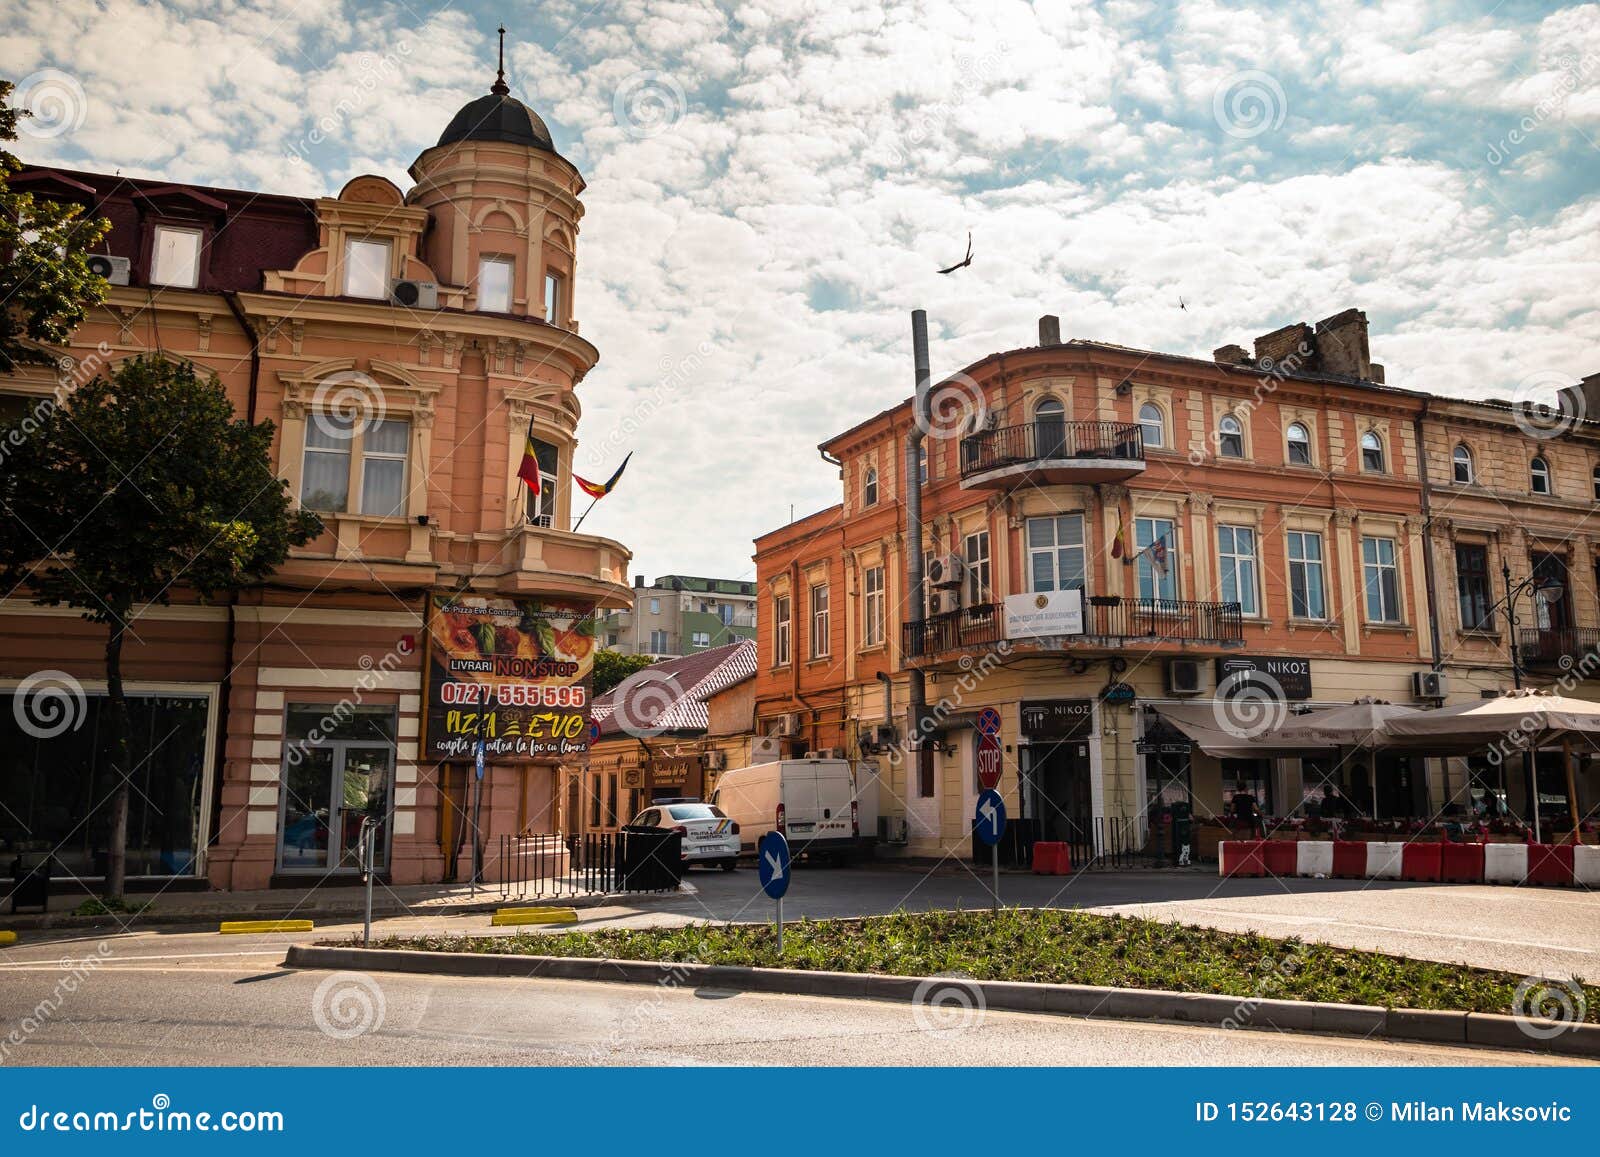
{"x": 1562, "y": 865}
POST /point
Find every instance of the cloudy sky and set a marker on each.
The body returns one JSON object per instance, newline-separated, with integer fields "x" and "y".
{"x": 772, "y": 184}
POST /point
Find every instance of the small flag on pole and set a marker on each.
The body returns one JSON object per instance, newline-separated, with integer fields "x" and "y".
{"x": 529, "y": 470}
{"x": 599, "y": 490}
{"x": 1118, "y": 543}
{"x": 1158, "y": 556}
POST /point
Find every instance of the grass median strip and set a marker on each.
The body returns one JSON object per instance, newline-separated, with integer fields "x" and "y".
{"x": 1048, "y": 946}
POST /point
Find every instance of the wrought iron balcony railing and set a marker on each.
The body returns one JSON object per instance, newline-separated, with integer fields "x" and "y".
{"x": 1039, "y": 442}
{"x": 1105, "y": 618}
{"x": 1564, "y": 647}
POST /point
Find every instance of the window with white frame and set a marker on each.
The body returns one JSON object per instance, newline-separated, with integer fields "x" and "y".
{"x": 1307, "y": 598}
{"x": 1539, "y": 476}
{"x": 872, "y": 618}
{"x": 1372, "y": 452}
{"x": 820, "y": 619}
{"x": 1381, "y": 580}
{"x": 780, "y": 631}
{"x": 1152, "y": 425}
{"x": 700, "y": 639}
{"x": 1236, "y": 559}
{"x": 658, "y": 642}
{"x": 541, "y": 507}
{"x": 1461, "y": 464}
{"x": 1156, "y": 565}
{"x": 494, "y": 284}
{"x": 1056, "y": 557}
{"x": 1230, "y": 437}
{"x": 175, "y": 257}
{"x": 976, "y": 555}
{"x": 335, "y": 446}
{"x": 1299, "y": 443}
{"x": 555, "y": 292}
{"x": 869, "y": 487}
{"x": 366, "y": 269}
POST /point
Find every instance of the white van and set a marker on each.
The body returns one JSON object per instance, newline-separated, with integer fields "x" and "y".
{"x": 811, "y": 801}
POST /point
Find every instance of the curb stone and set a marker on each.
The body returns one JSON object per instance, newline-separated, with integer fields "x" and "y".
{"x": 1432, "y": 1025}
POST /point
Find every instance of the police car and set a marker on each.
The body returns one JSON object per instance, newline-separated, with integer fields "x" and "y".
{"x": 709, "y": 836}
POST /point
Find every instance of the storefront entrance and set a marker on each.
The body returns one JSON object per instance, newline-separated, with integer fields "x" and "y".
{"x": 1057, "y": 772}
{"x": 335, "y": 773}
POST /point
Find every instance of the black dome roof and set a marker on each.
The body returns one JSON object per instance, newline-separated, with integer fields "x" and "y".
{"x": 499, "y": 116}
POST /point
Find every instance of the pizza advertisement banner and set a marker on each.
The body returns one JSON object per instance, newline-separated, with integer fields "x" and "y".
{"x": 514, "y": 673}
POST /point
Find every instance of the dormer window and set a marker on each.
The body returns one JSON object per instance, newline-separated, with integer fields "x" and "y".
{"x": 366, "y": 269}
{"x": 175, "y": 257}
{"x": 494, "y": 285}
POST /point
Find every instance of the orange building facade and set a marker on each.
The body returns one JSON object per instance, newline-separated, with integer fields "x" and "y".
{"x": 1250, "y": 524}
{"x": 402, "y": 342}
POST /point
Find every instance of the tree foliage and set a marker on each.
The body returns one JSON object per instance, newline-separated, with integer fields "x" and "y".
{"x": 612, "y": 667}
{"x": 45, "y": 283}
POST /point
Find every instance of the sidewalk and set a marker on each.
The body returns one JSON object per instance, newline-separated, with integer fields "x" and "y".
{"x": 324, "y": 902}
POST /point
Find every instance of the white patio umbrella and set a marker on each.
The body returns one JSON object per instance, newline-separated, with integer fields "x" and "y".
{"x": 1361, "y": 725}
{"x": 1527, "y": 720}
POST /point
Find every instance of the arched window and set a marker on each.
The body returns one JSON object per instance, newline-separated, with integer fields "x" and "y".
{"x": 1050, "y": 429}
{"x": 869, "y": 487}
{"x": 1299, "y": 439}
{"x": 1230, "y": 437}
{"x": 1597, "y": 483}
{"x": 1152, "y": 425}
{"x": 1539, "y": 476}
{"x": 1461, "y": 464}
{"x": 1371, "y": 453}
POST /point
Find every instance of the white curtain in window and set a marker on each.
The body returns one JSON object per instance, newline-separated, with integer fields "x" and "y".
{"x": 383, "y": 479}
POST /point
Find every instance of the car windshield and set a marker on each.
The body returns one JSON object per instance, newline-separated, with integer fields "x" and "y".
{"x": 695, "y": 811}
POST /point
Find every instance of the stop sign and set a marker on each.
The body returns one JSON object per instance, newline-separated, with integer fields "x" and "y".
{"x": 988, "y": 760}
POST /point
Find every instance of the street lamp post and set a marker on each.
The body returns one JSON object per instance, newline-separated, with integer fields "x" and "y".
{"x": 1551, "y": 591}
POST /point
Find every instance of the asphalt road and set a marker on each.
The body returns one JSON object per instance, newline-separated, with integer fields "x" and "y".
{"x": 242, "y": 1009}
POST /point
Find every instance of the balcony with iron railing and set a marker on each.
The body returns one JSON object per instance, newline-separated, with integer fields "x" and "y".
{"x": 1108, "y": 620}
{"x": 1567, "y": 648}
{"x": 1052, "y": 452}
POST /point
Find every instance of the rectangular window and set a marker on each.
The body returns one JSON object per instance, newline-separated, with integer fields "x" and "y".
{"x": 780, "y": 631}
{"x": 325, "y": 475}
{"x": 1305, "y": 576}
{"x": 872, "y": 607}
{"x": 594, "y": 802}
{"x": 1056, "y": 560}
{"x": 1472, "y": 587}
{"x": 725, "y": 613}
{"x": 658, "y": 642}
{"x": 1236, "y": 554}
{"x": 1157, "y": 566}
{"x": 494, "y": 285}
{"x": 175, "y": 258}
{"x": 978, "y": 573}
{"x": 552, "y": 297}
{"x": 1381, "y": 579}
{"x": 366, "y": 269}
{"x": 542, "y": 506}
{"x": 383, "y": 468}
{"x": 819, "y": 621}
{"x": 701, "y": 639}
{"x": 611, "y": 800}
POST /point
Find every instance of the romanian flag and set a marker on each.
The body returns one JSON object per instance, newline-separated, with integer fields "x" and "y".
{"x": 529, "y": 470}
{"x": 601, "y": 489}
{"x": 1119, "y": 544}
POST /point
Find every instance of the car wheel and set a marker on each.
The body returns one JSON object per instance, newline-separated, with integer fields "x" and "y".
{"x": 730, "y": 864}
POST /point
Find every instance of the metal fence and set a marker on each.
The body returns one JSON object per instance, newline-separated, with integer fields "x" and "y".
{"x": 1096, "y": 843}
{"x": 593, "y": 863}
{"x": 1049, "y": 441}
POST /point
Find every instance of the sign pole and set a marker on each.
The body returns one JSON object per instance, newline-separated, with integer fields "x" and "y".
{"x": 780, "y": 925}
{"x": 994, "y": 851}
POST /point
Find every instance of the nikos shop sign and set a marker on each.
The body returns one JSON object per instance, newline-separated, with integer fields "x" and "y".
{"x": 1291, "y": 675}
{"x": 514, "y": 673}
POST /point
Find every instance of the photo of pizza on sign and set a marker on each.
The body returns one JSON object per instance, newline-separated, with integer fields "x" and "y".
{"x": 514, "y": 673}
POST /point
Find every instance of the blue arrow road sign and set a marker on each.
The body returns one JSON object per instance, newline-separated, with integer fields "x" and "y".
{"x": 772, "y": 864}
{"x": 990, "y": 820}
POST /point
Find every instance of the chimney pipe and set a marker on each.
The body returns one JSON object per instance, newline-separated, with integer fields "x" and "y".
{"x": 1049, "y": 330}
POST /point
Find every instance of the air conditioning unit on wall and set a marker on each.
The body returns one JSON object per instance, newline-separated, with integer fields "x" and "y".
{"x": 766, "y": 749}
{"x": 944, "y": 570}
{"x": 784, "y": 724}
{"x": 715, "y": 760}
{"x": 414, "y": 294}
{"x": 113, "y": 269}
{"x": 943, "y": 602}
{"x": 1429, "y": 685}
{"x": 1183, "y": 677}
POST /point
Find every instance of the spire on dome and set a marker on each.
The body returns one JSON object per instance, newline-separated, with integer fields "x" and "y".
{"x": 499, "y": 87}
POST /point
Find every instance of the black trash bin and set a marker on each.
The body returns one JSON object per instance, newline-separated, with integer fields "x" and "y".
{"x": 30, "y": 887}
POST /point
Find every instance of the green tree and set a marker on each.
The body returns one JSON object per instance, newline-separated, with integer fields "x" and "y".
{"x": 612, "y": 667}
{"x": 128, "y": 491}
{"x": 45, "y": 283}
